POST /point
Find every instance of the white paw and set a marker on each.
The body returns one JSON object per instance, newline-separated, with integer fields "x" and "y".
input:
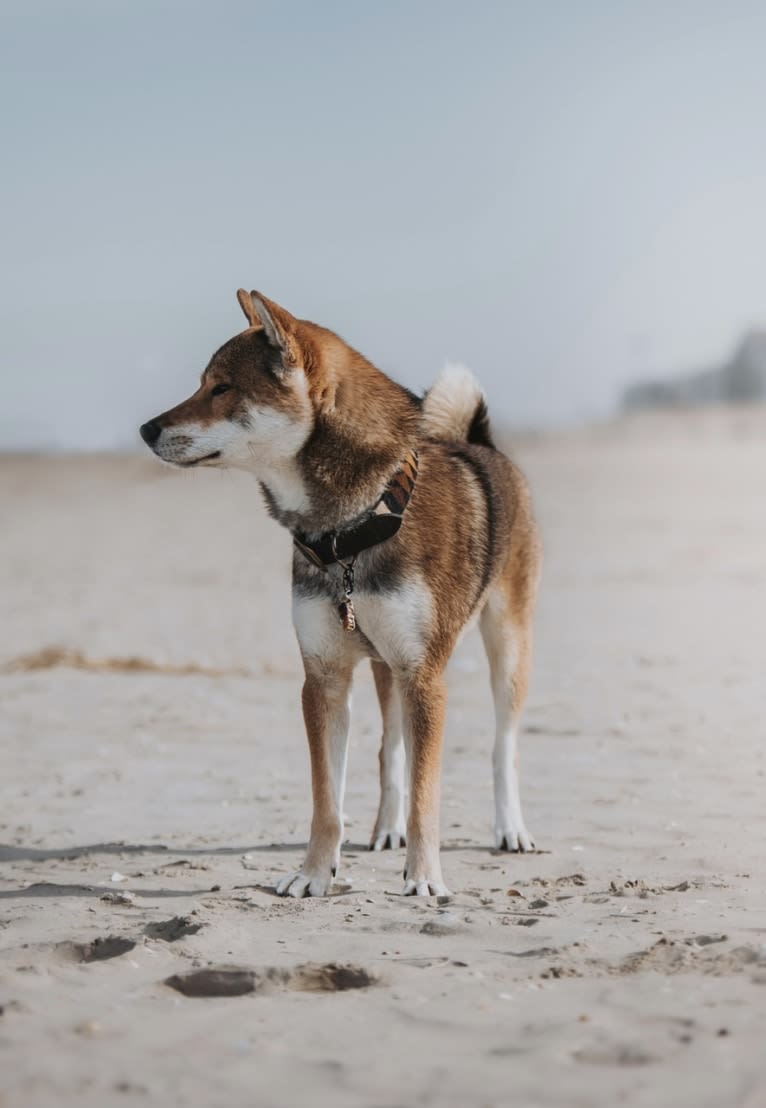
{"x": 424, "y": 886}
{"x": 305, "y": 884}
{"x": 388, "y": 838}
{"x": 517, "y": 840}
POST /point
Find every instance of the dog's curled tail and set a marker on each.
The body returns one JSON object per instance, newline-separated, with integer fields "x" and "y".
{"x": 455, "y": 409}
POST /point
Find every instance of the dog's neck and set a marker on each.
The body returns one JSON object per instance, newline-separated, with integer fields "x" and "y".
{"x": 364, "y": 426}
{"x": 284, "y": 489}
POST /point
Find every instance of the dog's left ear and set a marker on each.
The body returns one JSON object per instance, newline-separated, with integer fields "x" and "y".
{"x": 276, "y": 323}
{"x": 246, "y": 304}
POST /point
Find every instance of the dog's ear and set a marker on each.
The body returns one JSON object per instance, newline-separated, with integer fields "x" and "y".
{"x": 276, "y": 323}
{"x": 247, "y": 306}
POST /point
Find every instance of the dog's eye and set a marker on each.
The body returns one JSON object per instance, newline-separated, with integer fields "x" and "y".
{"x": 219, "y": 390}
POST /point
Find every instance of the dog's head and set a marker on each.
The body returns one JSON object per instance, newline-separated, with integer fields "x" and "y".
{"x": 252, "y": 406}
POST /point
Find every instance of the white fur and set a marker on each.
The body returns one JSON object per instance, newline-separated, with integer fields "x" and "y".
{"x": 265, "y": 445}
{"x": 451, "y": 402}
{"x": 397, "y": 626}
{"x": 316, "y": 876}
{"x": 277, "y": 441}
{"x": 323, "y": 642}
{"x": 391, "y": 824}
{"x": 397, "y": 623}
{"x": 327, "y": 651}
{"x": 502, "y": 653}
{"x": 184, "y": 443}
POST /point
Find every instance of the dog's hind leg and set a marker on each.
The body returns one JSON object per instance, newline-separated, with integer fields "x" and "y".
{"x": 507, "y": 640}
{"x": 390, "y": 826}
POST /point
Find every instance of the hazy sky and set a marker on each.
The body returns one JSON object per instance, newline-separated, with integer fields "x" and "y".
{"x": 561, "y": 195}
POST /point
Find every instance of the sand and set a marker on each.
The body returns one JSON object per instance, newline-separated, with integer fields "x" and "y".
{"x": 154, "y": 786}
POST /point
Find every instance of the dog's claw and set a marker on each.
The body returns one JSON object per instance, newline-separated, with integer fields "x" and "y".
{"x": 424, "y": 887}
{"x": 388, "y": 840}
{"x": 304, "y": 884}
{"x": 515, "y": 842}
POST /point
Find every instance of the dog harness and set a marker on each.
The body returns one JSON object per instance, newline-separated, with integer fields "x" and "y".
{"x": 379, "y": 523}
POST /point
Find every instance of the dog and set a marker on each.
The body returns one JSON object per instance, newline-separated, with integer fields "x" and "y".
{"x": 407, "y": 522}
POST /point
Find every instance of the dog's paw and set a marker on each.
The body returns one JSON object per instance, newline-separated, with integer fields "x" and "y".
{"x": 424, "y": 886}
{"x": 388, "y": 837}
{"x": 305, "y": 884}
{"x": 516, "y": 840}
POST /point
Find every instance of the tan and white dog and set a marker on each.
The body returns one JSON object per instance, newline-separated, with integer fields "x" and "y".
{"x": 407, "y": 522}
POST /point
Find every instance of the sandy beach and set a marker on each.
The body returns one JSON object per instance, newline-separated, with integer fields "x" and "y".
{"x": 154, "y": 785}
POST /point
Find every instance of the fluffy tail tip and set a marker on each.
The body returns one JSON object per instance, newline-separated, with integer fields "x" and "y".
{"x": 454, "y": 408}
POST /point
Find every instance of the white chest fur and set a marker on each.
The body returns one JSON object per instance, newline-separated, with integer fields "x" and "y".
{"x": 396, "y": 625}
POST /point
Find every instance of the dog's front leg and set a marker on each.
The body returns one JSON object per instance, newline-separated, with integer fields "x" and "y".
{"x": 423, "y": 698}
{"x": 326, "y": 711}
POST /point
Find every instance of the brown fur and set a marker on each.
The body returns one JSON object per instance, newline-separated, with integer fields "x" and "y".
{"x": 468, "y": 534}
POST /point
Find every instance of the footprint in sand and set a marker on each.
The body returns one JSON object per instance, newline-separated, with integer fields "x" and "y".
{"x": 238, "y": 981}
{"x": 99, "y": 950}
{"x": 616, "y": 1054}
{"x": 170, "y": 930}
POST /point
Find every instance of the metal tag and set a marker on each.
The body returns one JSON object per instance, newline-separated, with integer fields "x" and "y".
{"x": 347, "y": 615}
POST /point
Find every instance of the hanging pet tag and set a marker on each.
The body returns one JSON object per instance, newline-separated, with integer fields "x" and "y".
{"x": 347, "y": 616}
{"x": 346, "y": 608}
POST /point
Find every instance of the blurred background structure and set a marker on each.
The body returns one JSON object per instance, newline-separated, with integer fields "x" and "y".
{"x": 740, "y": 380}
{"x": 567, "y": 197}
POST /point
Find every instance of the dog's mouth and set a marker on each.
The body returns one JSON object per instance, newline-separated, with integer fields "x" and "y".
{"x": 198, "y": 461}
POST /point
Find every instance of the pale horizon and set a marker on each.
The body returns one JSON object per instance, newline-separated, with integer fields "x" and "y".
{"x": 564, "y": 200}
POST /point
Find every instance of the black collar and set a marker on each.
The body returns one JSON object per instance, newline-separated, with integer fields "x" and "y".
{"x": 378, "y": 523}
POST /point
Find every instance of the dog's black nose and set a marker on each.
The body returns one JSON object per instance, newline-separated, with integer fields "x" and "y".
{"x": 150, "y": 432}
